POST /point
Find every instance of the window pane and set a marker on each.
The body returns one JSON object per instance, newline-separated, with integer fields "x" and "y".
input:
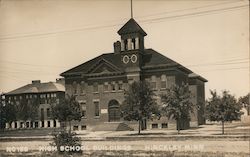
{"x": 106, "y": 87}
{"x": 95, "y": 88}
{"x": 163, "y": 84}
{"x": 83, "y": 106}
{"x": 96, "y": 108}
{"x": 164, "y": 125}
{"x": 113, "y": 87}
{"x": 153, "y": 85}
{"x": 155, "y": 125}
{"x": 48, "y": 112}
{"x": 120, "y": 86}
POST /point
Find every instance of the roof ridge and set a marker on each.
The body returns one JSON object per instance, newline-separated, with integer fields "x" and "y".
{"x": 131, "y": 26}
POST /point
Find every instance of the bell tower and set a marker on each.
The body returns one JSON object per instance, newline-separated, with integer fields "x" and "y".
{"x": 132, "y": 36}
{"x": 132, "y": 48}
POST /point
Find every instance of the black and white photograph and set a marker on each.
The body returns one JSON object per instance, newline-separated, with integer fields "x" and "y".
{"x": 133, "y": 78}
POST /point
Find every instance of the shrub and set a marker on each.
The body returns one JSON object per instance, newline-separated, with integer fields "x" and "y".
{"x": 64, "y": 139}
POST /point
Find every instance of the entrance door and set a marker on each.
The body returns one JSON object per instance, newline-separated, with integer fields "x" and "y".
{"x": 114, "y": 111}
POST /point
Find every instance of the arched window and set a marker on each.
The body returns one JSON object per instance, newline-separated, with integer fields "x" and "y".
{"x": 114, "y": 111}
{"x": 163, "y": 82}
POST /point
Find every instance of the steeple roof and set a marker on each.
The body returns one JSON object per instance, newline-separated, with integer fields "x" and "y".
{"x": 131, "y": 27}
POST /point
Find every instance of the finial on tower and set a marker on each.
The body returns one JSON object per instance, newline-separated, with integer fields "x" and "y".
{"x": 131, "y": 8}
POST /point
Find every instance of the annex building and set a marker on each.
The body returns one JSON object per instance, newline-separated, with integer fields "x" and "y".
{"x": 99, "y": 83}
{"x": 40, "y": 96}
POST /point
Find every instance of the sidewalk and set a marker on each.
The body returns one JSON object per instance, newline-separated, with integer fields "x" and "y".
{"x": 205, "y": 132}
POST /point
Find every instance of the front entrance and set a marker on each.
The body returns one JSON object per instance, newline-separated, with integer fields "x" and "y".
{"x": 114, "y": 111}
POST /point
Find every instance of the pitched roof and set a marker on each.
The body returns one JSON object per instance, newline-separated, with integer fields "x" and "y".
{"x": 38, "y": 88}
{"x": 131, "y": 27}
{"x": 151, "y": 59}
{"x": 194, "y": 75}
{"x": 112, "y": 58}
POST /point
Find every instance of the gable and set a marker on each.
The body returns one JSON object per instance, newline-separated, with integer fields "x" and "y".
{"x": 112, "y": 63}
{"x": 103, "y": 66}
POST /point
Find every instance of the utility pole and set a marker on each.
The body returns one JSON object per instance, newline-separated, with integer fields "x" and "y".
{"x": 131, "y": 8}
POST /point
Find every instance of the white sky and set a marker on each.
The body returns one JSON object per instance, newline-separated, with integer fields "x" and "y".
{"x": 39, "y": 39}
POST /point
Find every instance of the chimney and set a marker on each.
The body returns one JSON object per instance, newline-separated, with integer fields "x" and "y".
{"x": 36, "y": 81}
{"x": 60, "y": 80}
{"x": 117, "y": 47}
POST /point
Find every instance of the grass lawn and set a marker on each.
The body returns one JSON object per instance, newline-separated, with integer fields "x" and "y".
{"x": 218, "y": 146}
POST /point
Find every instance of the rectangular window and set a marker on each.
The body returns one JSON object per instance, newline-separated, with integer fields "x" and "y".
{"x": 95, "y": 88}
{"x": 21, "y": 125}
{"x": 75, "y": 127}
{"x": 42, "y": 113}
{"x": 83, "y": 127}
{"x": 27, "y": 124}
{"x": 120, "y": 86}
{"x": 48, "y": 112}
{"x": 35, "y": 96}
{"x": 36, "y": 124}
{"x": 170, "y": 81}
{"x": 83, "y": 106}
{"x": 113, "y": 86}
{"x": 42, "y": 124}
{"x": 83, "y": 113}
{"x": 155, "y": 125}
{"x": 54, "y": 123}
{"x": 106, "y": 87}
{"x": 48, "y": 122}
{"x": 164, "y": 125}
{"x": 97, "y": 112}
{"x": 153, "y": 85}
{"x": 163, "y": 85}
{"x": 20, "y": 97}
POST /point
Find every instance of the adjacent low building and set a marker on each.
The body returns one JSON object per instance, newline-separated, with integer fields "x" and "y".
{"x": 99, "y": 83}
{"x": 43, "y": 95}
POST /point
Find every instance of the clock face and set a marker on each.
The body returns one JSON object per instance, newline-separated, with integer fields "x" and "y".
{"x": 133, "y": 58}
{"x": 125, "y": 59}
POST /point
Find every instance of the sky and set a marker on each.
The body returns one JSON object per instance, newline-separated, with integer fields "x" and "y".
{"x": 39, "y": 39}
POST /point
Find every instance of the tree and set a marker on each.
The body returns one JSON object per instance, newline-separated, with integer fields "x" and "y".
{"x": 28, "y": 109}
{"x": 245, "y": 102}
{"x": 7, "y": 114}
{"x": 139, "y": 103}
{"x": 66, "y": 111}
{"x": 177, "y": 104}
{"x": 223, "y": 108}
